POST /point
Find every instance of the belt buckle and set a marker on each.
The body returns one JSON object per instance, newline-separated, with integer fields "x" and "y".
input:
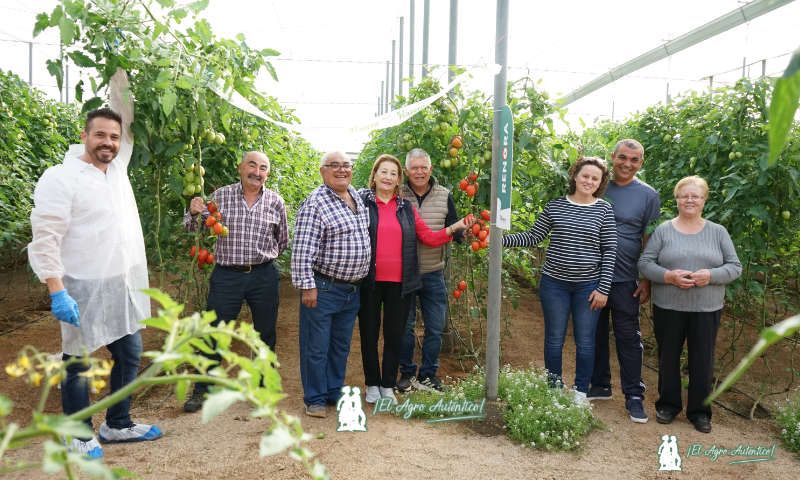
{"x": 249, "y": 269}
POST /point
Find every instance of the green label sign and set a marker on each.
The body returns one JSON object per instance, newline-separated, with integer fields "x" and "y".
{"x": 504, "y": 169}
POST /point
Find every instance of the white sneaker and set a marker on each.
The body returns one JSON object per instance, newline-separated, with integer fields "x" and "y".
{"x": 580, "y": 399}
{"x": 388, "y": 393}
{"x": 138, "y": 432}
{"x": 373, "y": 394}
{"x": 88, "y": 448}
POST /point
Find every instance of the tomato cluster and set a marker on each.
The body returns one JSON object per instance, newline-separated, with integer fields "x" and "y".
{"x": 462, "y": 285}
{"x": 455, "y": 145}
{"x": 214, "y": 220}
{"x": 469, "y": 185}
{"x": 481, "y": 231}
{"x": 203, "y": 256}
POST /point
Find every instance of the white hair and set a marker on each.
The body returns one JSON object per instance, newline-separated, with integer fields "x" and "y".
{"x": 330, "y": 155}
{"x": 417, "y": 153}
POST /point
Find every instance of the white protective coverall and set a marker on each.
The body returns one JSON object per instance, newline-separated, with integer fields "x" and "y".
{"x": 86, "y": 231}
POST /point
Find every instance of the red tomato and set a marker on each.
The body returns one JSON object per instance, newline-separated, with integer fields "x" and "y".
{"x": 475, "y": 228}
{"x": 456, "y": 293}
{"x": 217, "y": 216}
{"x": 486, "y": 214}
{"x": 484, "y": 244}
{"x": 476, "y": 246}
{"x": 193, "y": 251}
{"x": 462, "y": 285}
{"x": 212, "y": 206}
{"x": 210, "y": 258}
{"x": 463, "y": 184}
{"x": 201, "y": 257}
{"x": 210, "y": 221}
{"x": 482, "y": 235}
{"x": 471, "y": 189}
{"x": 218, "y": 228}
{"x": 473, "y": 177}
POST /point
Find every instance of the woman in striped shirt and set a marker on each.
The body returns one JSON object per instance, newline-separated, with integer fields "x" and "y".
{"x": 577, "y": 273}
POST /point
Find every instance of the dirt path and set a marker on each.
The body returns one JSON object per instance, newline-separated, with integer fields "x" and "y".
{"x": 393, "y": 448}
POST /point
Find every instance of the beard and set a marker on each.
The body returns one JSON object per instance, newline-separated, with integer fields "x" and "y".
{"x": 103, "y": 155}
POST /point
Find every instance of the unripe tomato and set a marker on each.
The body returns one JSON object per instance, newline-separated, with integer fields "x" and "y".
{"x": 210, "y": 221}
{"x": 224, "y": 231}
{"x": 476, "y": 245}
{"x": 462, "y": 285}
{"x": 456, "y": 293}
{"x": 453, "y": 152}
{"x": 786, "y": 214}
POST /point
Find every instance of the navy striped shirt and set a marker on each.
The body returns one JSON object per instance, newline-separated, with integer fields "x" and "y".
{"x": 330, "y": 238}
{"x": 583, "y": 241}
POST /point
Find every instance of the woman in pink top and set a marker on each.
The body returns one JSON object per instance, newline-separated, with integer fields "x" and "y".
{"x": 394, "y": 228}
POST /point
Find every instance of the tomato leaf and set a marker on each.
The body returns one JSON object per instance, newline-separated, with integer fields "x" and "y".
{"x": 81, "y": 60}
{"x": 783, "y": 106}
{"x": 67, "y": 29}
{"x": 276, "y": 441}
{"x": 91, "y": 104}
{"x": 42, "y": 22}
{"x": 218, "y": 402}
{"x": 54, "y": 67}
{"x": 168, "y": 101}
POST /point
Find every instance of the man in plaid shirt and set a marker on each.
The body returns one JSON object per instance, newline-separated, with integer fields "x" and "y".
{"x": 256, "y": 220}
{"x": 330, "y": 256}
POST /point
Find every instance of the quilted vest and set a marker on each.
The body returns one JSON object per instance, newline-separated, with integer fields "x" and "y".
{"x": 433, "y": 211}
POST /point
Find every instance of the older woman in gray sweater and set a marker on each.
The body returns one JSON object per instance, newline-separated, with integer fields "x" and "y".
{"x": 689, "y": 260}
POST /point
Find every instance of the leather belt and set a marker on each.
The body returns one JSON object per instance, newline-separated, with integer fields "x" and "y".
{"x": 336, "y": 280}
{"x": 245, "y": 268}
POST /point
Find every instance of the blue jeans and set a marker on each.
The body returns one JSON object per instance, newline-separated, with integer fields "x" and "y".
{"x": 325, "y": 334}
{"x": 126, "y": 353}
{"x": 433, "y": 299}
{"x": 560, "y": 299}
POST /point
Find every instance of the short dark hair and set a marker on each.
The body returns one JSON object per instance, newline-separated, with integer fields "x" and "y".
{"x": 582, "y": 162}
{"x": 102, "y": 113}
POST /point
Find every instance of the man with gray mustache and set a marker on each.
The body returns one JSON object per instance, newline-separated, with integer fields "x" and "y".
{"x": 244, "y": 270}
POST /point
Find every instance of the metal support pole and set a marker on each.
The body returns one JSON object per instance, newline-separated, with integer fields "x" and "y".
{"x": 763, "y": 68}
{"x": 744, "y": 65}
{"x": 400, "y": 60}
{"x": 710, "y": 82}
{"x": 411, "y": 46}
{"x": 30, "y": 63}
{"x": 451, "y": 54}
{"x": 668, "y": 99}
{"x": 426, "y": 20}
{"x": 383, "y": 97}
{"x": 496, "y": 246}
{"x": 66, "y": 82}
{"x": 394, "y": 61}
{"x": 386, "y": 97}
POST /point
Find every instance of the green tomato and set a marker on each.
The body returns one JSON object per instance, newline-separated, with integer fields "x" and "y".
{"x": 731, "y": 155}
{"x": 445, "y": 163}
{"x": 188, "y": 191}
{"x": 190, "y": 177}
{"x": 487, "y": 155}
{"x": 667, "y": 137}
{"x": 786, "y": 214}
{"x": 738, "y": 154}
{"x": 220, "y": 138}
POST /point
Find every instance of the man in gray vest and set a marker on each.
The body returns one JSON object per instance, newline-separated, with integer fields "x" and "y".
{"x": 434, "y": 203}
{"x": 636, "y": 205}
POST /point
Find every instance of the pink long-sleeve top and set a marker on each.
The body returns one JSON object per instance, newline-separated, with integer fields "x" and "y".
{"x": 389, "y": 250}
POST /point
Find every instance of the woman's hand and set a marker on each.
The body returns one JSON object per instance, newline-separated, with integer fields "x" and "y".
{"x": 679, "y": 278}
{"x": 701, "y": 277}
{"x": 462, "y": 224}
{"x": 598, "y": 300}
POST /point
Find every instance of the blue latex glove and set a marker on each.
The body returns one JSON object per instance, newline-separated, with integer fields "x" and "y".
{"x": 65, "y": 308}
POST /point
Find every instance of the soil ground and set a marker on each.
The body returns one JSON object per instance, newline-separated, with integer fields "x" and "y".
{"x": 227, "y": 447}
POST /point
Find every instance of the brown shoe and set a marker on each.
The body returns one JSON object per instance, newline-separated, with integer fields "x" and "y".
{"x": 318, "y": 411}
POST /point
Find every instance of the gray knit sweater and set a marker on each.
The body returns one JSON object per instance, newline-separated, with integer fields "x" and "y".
{"x": 669, "y": 249}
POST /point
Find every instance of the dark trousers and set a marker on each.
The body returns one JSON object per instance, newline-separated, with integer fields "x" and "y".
{"x": 699, "y": 329}
{"x": 260, "y": 288}
{"x": 623, "y": 309}
{"x": 386, "y": 297}
{"x": 125, "y": 352}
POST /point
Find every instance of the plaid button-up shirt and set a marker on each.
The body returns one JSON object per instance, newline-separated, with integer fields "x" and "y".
{"x": 330, "y": 238}
{"x": 255, "y": 234}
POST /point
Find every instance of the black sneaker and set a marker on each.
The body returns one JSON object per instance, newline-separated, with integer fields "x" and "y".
{"x": 665, "y": 416}
{"x": 404, "y": 384}
{"x": 599, "y": 393}
{"x": 636, "y": 409}
{"x": 702, "y": 424}
{"x": 195, "y": 403}
{"x": 430, "y": 383}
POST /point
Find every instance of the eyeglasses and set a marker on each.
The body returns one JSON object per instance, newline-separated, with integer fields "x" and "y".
{"x": 339, "y": 166}
{"x": 693, "y": 198}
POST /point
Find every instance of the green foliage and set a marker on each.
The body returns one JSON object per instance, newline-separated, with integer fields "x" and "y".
{"x": 783, "y": 106}
{"x": 536, "y": 415}
{"x": 251, "y": 378}
{"x": 788, "y": 420}
{"x": 172, "y": 60}
{"x": 34, "y": 132}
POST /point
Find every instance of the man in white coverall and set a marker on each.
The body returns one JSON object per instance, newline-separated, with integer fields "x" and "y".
{"x": 88, "y": 248}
